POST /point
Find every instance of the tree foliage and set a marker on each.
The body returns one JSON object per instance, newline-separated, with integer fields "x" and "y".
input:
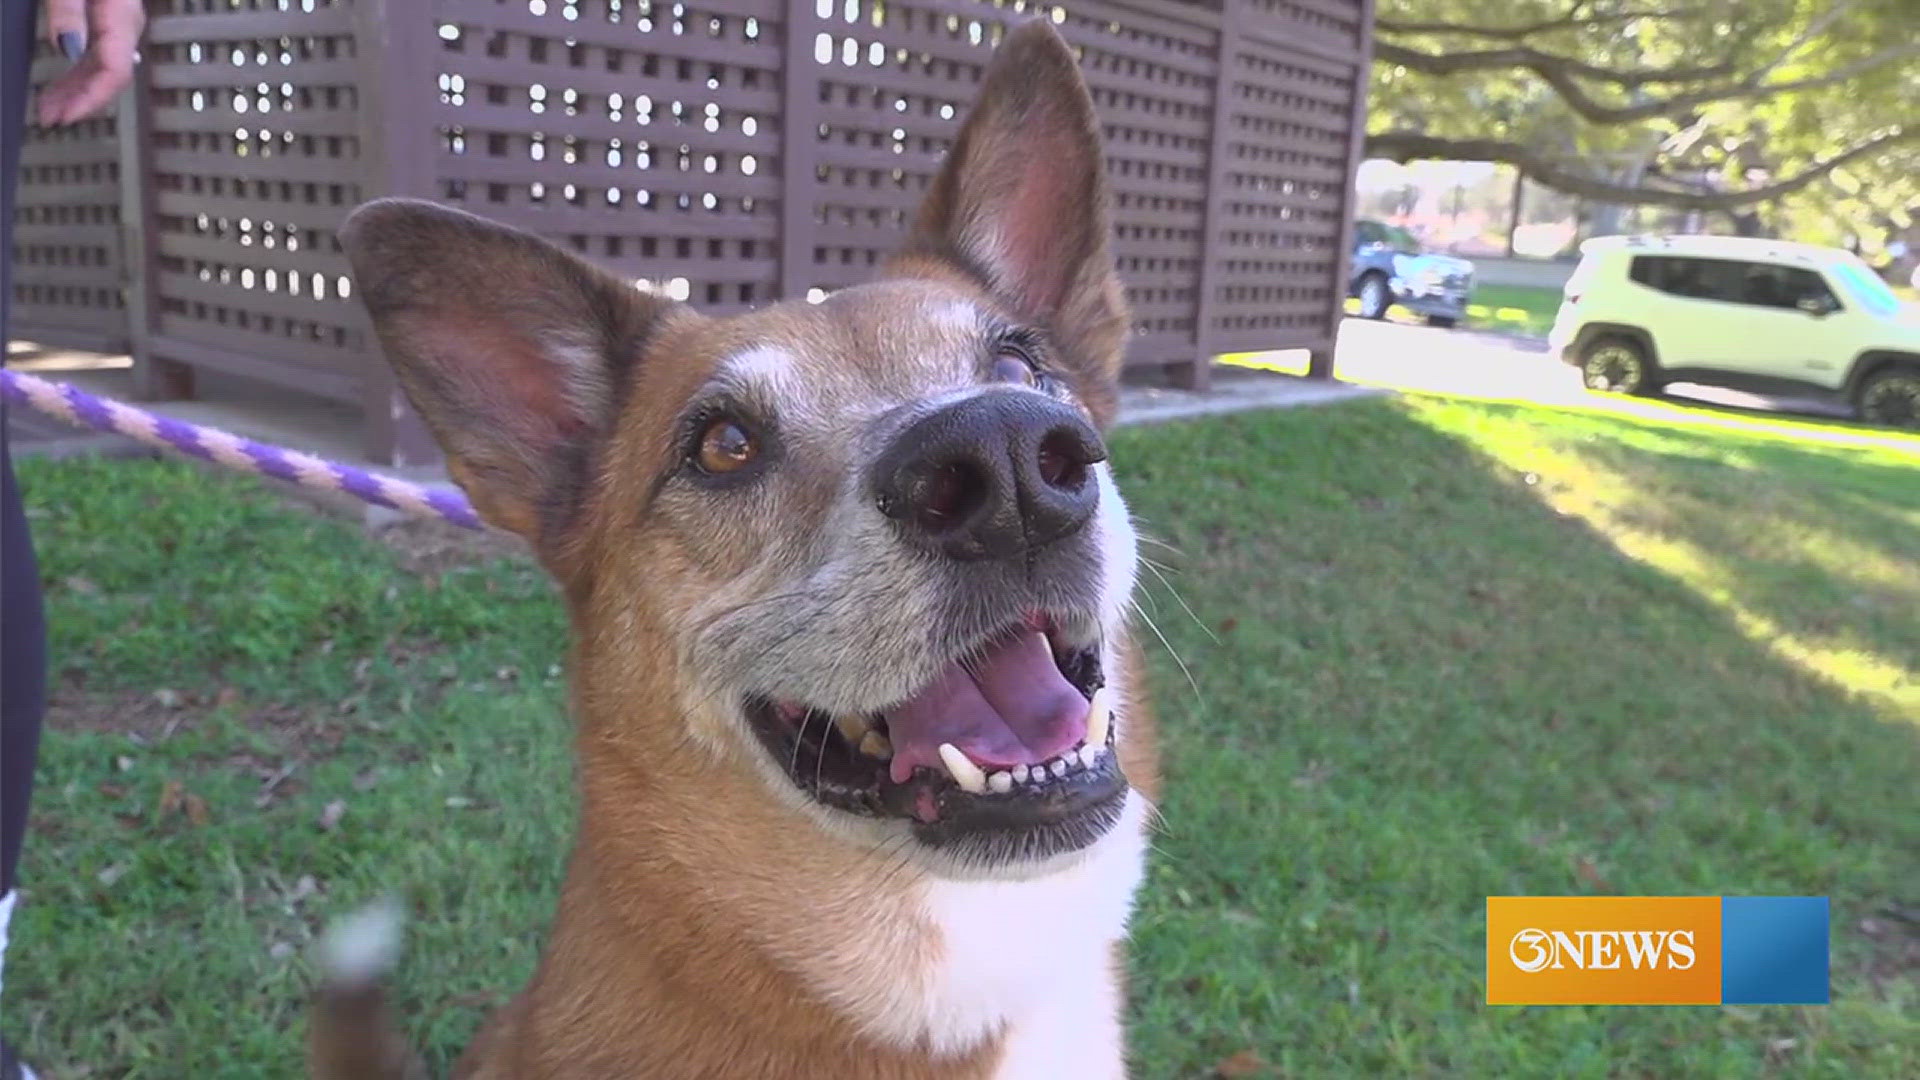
{"x": 1803, "y": 107}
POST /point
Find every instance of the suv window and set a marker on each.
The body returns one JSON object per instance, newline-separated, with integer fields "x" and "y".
{"x": 1730, "y": 280}
{"x": 1864, "y": 285}
{"x": 1696, "y": 279}
{"x": 1773, "y": 286}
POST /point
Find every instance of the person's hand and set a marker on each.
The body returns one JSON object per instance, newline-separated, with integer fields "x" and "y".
{"x": 100, "y": 37}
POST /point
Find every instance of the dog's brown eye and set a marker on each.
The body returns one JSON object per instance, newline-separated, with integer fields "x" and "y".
{"x": 726, "y": 447}
{"x": 1014, "y": 368}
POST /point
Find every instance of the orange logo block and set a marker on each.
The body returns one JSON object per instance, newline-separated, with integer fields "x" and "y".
{"x": 1603, "y": 950}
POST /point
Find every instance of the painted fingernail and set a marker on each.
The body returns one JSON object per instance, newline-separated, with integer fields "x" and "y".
{"x": 72, "y": 43}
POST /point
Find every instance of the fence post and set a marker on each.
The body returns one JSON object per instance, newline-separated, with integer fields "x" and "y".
{"x": 1213, "y": 247}
{"x": 155, "y": 378}
{"x": 799, "y": 148}
{"x": 1320, "y": 360}
{"x": 395, "y": 41}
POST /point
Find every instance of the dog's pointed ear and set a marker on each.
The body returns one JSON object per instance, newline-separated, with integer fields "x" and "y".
{"x": 1021, "y": 206}
{"x": 514, "y": 352}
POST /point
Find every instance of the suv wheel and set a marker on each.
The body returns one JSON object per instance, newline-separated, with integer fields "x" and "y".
{"x": 1891, "y": 397}
{"x": 1375, "y": 297}
{"x": 1616, "y": 365}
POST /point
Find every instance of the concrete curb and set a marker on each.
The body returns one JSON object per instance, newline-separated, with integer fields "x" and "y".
{"x": 1233, "y": 389}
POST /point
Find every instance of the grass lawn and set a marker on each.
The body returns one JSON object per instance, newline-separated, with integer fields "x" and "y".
{"x": 1509, "y": 309}
{"x": 1513, "y": 309}
{"x": 1438, "y": 649}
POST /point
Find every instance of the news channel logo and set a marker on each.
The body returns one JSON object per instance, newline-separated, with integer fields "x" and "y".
{"x": 1657, "y": 950}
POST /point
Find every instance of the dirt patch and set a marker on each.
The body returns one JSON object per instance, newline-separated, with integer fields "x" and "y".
{"x": 294, "y": 737}
{"x": 1895, "y": 961}
{"x": 144, "y": 718}
{"x": 429, "y": 548}
{"x": 150, "y": 718}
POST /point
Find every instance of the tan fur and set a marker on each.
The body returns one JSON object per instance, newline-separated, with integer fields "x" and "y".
{"x": 704, "y": 927}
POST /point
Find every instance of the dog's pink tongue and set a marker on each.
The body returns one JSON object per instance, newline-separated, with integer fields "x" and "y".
{"x": 1013, "y": 708}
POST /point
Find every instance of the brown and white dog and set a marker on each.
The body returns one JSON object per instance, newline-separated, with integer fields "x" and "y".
{"x": 864, "y": 761}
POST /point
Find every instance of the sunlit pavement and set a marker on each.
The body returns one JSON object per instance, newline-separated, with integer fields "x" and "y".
{"x": 1467, "y": 362}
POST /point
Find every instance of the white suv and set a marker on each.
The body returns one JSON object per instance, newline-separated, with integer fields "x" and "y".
{"x": 1764, "y": 316}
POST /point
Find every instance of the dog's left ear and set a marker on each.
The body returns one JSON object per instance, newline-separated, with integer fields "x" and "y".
{"x": 515, "y": 352}
{"x": 1021, "y": 206}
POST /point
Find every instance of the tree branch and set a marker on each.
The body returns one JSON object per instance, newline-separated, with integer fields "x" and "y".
{"x": 1408, "y": 145}
{"x": 1573, "y": 20}
{"x": 1546, "y": 65}
{"x": 1563, "y": 75}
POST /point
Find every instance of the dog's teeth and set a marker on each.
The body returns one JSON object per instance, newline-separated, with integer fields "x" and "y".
{"x": 1019, "y": 774}
{"x": 1000, "y": 782}
{"x": 852, "y": 727}
{"x": 874, "y": 744}
{"x": 1092, "y": 753}
{"x": 1059, "y": 767}
{"x": 1099, "y": 716}
{"x": 965, "y": 773}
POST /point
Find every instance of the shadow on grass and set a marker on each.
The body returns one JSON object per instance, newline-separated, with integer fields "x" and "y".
{"x": 1420, "y": 685}
{"x": 1811, "y": 547}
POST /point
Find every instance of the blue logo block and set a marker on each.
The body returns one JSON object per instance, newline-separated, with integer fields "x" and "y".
{"x": 1774, "y": 950}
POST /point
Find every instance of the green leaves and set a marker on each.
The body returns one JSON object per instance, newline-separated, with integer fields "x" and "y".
{"x": 1722, "y": 105}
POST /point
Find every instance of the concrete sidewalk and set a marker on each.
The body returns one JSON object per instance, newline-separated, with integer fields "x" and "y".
{"x": 330, "y": 429}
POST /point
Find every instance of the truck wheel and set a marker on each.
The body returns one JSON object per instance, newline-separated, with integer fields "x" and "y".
{"x": 1890, "y": 397}
{"x": 1617, "y": 365}
{"x": 1375, "y": 297}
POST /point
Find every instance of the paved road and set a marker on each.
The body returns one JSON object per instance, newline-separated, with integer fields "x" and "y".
{"x": 1408, "y": 357}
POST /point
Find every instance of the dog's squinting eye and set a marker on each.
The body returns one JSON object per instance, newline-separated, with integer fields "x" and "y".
{"x": 726, "y": 447}
{"x": 1012, "y": 367}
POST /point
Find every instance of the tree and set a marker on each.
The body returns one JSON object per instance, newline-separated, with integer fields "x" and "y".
{"x": 1804, "y": 108}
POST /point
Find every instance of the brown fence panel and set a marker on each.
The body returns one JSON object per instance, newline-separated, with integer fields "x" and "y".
{"x": 253, "y": 155}
{"x": 1287, "y": 138}
{"x": 646, "y": 136}
{"x": 1151, "y": 69}
{"x": 67, "y": 260}
{"x": 730, "y": 152}
{"x": 890, "y": 81}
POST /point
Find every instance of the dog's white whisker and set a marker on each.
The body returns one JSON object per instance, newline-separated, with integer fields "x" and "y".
{"x": 1175, "y": 653}
{"x": 1157, "y": 571}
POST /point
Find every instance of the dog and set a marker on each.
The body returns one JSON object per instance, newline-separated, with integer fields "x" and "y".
{"x": 865, "y": 763}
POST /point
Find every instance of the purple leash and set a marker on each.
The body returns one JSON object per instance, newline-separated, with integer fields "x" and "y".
{"x": 66, "y": 402}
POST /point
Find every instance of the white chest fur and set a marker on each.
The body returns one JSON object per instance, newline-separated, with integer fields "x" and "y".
{"x": 1034, "y": 958}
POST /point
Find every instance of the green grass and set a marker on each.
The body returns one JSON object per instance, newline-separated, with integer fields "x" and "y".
{"x": 1507, "y": 309}
{"x": 1513, "y": 309}
{"x": 1439, "y": 650}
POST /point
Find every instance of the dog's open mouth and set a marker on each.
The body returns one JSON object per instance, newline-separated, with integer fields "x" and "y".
{"x": 1016, "y": 737}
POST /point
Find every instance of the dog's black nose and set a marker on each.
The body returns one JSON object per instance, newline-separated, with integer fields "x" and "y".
{"x": 992, "y": 476}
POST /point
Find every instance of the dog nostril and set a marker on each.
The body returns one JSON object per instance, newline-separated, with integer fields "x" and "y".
{"x": 1062, "y": 462}
{"x": 946, "y": 495}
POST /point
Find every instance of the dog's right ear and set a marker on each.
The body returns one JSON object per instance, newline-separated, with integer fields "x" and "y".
{"x": 1021, "y": 206}
{"x": 514, "y": 352}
